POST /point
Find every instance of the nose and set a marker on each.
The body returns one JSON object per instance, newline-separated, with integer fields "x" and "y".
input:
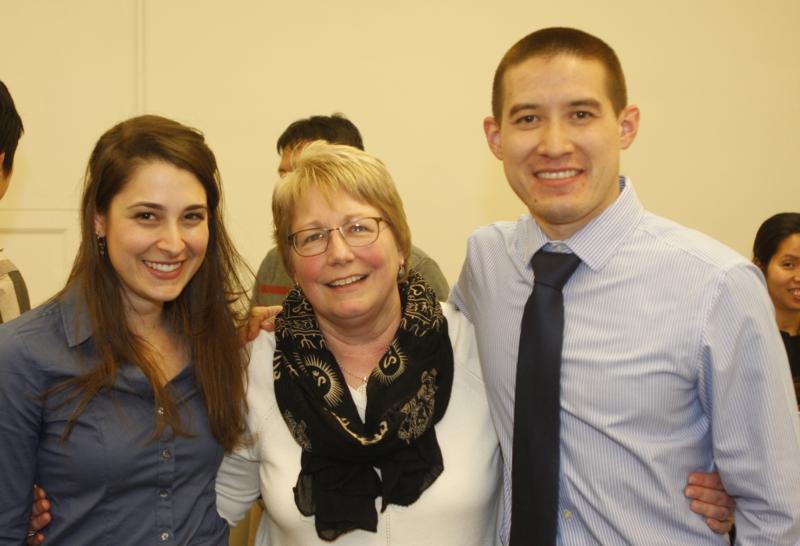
{"x": 338, "y": 249}
{"x": 171, "y": 240}
{"x": 554, "y": 140}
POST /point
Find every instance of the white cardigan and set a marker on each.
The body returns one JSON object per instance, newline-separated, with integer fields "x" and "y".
{"x": 458, "y": 509}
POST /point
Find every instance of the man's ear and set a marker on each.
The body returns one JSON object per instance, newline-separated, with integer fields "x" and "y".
{"x": 491, "y": 129}
{"x": 628, "y": 126}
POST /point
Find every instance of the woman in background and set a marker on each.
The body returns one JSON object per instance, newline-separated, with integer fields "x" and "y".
{"x": 776, "y": 251}
{"x": 120, "y": 395}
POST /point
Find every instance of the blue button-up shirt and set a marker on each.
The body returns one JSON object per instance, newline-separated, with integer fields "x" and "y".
{"x": 671, "y": 363}
{"x": 110, "y": 482}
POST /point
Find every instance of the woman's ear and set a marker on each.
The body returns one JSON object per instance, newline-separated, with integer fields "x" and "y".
{"x": 100, "y": 225}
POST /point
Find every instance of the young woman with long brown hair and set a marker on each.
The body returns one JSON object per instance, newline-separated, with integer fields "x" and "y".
{"x": 120, "y": 395}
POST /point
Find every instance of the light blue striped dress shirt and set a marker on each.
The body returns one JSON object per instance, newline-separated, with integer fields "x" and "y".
{"x": 672, "y": 363}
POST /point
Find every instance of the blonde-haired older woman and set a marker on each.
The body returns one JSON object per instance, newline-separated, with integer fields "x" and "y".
{"x": 377, "y": 381}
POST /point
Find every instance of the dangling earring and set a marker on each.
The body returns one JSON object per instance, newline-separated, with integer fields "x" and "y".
{"x": 101, "y": 244}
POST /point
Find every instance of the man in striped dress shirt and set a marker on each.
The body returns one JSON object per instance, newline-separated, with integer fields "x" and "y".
{"x": 13, "y": 293}
{"x": 671, "y": 361}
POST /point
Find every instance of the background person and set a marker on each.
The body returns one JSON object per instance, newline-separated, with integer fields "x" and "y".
{"x": 272, "y": 281}
{"x": 120, "y": 395}
{"x": 14, "y": 298}
{"x": 776, "y": 251}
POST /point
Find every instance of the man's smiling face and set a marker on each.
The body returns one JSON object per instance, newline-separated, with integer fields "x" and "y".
{"x": 560, "y": 140}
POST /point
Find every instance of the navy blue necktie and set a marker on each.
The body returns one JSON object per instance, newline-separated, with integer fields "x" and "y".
{"x": 537, "y": 405}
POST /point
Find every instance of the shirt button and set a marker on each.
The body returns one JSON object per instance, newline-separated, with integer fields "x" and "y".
{"x": 164, "y": 536}
{"x": 165, "y": 454}
{"x": 160, "y": 410}
{"x": 567, "y": 514}
{"x": 163, "y": 493}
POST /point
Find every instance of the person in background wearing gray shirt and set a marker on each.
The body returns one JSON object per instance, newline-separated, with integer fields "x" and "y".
{"x": 14, "y": 298}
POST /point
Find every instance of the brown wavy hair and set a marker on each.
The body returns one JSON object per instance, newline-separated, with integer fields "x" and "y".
{"x": 204, "y": 314}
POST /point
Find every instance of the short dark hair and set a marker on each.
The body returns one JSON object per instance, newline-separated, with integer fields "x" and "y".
{"x": 11, "y": 128}
{"x": 549, "y": 42}
{"x": 771, "y": 234}
{"x": 334, "y": 129}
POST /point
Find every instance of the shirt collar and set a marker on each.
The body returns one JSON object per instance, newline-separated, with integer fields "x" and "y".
{"x": 598, "y": 240}
{"x": 78, "y": 329}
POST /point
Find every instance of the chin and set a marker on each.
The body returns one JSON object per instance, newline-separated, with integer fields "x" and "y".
{"x": 164, "y": 296}
{"x": 352, "y": 311}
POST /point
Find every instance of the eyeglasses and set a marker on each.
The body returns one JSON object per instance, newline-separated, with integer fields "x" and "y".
{"x": 314, "y": 241}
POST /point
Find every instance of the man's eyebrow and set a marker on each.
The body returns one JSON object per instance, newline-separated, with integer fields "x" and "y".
{"x": 522, "y": 106}
{"x": 592, "y": 103}
{"x": 588, "y": 103}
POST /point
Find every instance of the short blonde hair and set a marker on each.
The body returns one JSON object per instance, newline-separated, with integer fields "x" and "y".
{"x": 332, "y": 168}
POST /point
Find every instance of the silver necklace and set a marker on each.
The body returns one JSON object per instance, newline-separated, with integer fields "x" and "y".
{"x": 363, "y": 379}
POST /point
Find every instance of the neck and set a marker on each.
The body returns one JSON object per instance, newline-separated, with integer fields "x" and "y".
{"x": 358, "y": 350}
{"x": 346, "y": 343}
{"x": 144, "y": 324}
{"x": 168, "y": 350}
{"x": 788, "y": 321}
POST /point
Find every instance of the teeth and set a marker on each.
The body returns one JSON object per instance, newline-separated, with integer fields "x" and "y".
{"x": 164, "y": 268}
{"x": 348, "y": 280}
{"x": 557, "y": 175}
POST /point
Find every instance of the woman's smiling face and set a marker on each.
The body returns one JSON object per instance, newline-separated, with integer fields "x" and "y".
{"x": 783, "y": 275}
{"x": 347, "y": 285}
{"x": 156, "y": 230}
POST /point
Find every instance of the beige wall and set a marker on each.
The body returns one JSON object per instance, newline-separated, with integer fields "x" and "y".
{"x": 717, "y": 82}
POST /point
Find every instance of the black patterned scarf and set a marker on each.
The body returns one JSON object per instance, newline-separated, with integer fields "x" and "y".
{"x": 407, "y": 393}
